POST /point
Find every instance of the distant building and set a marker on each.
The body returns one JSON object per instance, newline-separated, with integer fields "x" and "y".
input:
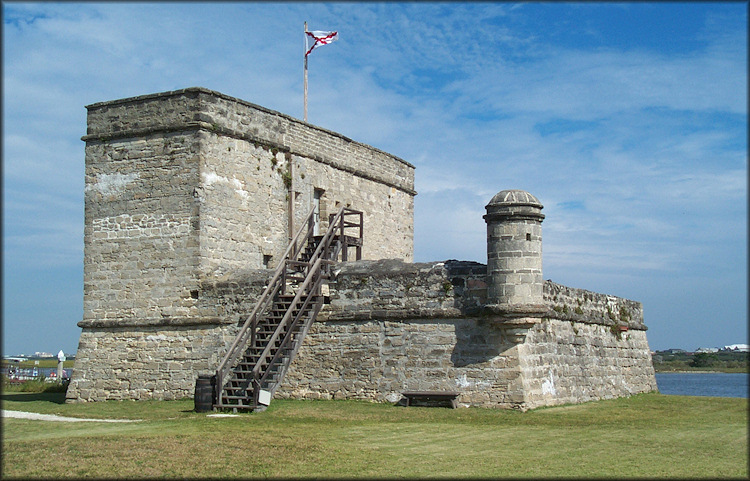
{"x": 737, "y": 347}
{"x": 43, "y": 354}
{"x": 14, "y": 358}
{"x": 707, "y": 349}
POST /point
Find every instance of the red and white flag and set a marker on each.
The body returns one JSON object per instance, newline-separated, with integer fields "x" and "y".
{"x": 319, "y": 39}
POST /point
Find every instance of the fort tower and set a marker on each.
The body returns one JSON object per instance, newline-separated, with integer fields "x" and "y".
{"x": 191, "y": 200}
{"x": 514, "y": 251}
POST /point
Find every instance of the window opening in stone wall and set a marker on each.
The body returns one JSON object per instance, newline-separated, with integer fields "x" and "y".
{"x": 317, "y": 194}
{"x": 528, "y": 237}
{"x": 267, "y": 261}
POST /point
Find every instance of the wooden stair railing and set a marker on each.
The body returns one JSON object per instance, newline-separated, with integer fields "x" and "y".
{"x": 268, "y": 341}
{"x": 248, "y": 331}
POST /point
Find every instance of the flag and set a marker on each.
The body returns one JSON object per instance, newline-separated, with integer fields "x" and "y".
{"x": 319, "y": 38}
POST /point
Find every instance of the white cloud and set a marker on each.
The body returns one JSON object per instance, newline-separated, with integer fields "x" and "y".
{"x": 585, "y": 84}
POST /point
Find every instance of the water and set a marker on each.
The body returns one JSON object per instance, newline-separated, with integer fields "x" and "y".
{"x": 703, "y": 384}
{"x": 30, "y": 373}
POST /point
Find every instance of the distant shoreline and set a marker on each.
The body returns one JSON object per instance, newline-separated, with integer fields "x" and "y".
{"x": 721, "y": 361}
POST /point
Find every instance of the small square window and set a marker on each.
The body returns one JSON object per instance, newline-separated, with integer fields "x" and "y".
{"x": 528, "y": 237}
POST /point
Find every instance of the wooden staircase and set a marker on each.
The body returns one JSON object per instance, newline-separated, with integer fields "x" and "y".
{"x": 268, "y": 341}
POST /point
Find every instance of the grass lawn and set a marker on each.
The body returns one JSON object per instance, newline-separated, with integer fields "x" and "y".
{"x": 44, "y": 363}
{"x": 648, "y": 435}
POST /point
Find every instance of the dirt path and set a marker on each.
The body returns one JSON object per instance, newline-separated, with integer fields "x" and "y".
{"x": 52, "y": 417}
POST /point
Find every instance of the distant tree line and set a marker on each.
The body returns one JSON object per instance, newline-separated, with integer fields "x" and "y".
{"x": 725, "y": 361}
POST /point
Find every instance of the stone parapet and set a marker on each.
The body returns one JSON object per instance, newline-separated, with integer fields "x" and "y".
{"x": 232, "y": 297}
{"x": 198, "y": 108}
{"x": 392, "y": 327}
{"x": 589, "y": 307}
{"x": 390, "y": 289}
{"x": 393, "y": 289}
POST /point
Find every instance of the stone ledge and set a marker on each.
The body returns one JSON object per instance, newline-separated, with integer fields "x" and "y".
{"x": 389, "y": 314}
{"x": 510, "y": 312}
{"x": 591, "y": 319}
{"x": 206, "y": 91}
{"x": 142, "y": 132}
{"x": 161, "y": 321}
{"x": 501, "y": 315}
{"x": 384, "y": 268}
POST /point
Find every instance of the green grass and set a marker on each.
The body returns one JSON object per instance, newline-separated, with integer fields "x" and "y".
{"x": 649, "y": 435}
{"x": 33, "y": 385}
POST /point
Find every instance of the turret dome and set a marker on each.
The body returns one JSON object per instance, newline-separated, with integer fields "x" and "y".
{"x": 516, "y": 204}
{"x": 515, "y": 197}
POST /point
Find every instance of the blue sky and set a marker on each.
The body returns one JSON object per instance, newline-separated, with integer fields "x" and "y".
{"x": 628, "y": 121}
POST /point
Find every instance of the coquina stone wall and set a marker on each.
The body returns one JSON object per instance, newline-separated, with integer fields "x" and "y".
{"x": 162, "y": 359}
{"x": 145, "y": 362}
{"x": 142, "y": 230}
{"x": 379, "y": 359}
{"x": 392, "y": 327}
{"x": 189, "y": 189}
{"x": 571, "y": 362}
{"x": 190, "y": 184}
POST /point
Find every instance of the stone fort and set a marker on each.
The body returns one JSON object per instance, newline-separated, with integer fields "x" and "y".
{"x": 229, "y": 242}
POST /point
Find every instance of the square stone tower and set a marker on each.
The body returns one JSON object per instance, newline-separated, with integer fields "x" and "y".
{"x": 192, "y": 183}
{"x": 187, "y": 186}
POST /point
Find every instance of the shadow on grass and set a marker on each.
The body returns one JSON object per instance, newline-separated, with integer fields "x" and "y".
{"x": 53, "y": 397}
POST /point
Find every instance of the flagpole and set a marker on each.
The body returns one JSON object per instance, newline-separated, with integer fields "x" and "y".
{"x": 305, "y": 71}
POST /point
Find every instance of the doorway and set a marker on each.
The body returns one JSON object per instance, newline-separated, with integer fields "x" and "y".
{"x": 317, "y": 194}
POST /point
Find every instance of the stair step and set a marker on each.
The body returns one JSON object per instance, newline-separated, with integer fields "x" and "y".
{"x": 236, "y": 406}
{"x": 248, "y": 367}
{"x": 237, "y": 394}
{"x": 279, "y": 315}
{"x": 239, "y": 371}
{"x": 240, "y": 375}
{"x": 235, "y": 385}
